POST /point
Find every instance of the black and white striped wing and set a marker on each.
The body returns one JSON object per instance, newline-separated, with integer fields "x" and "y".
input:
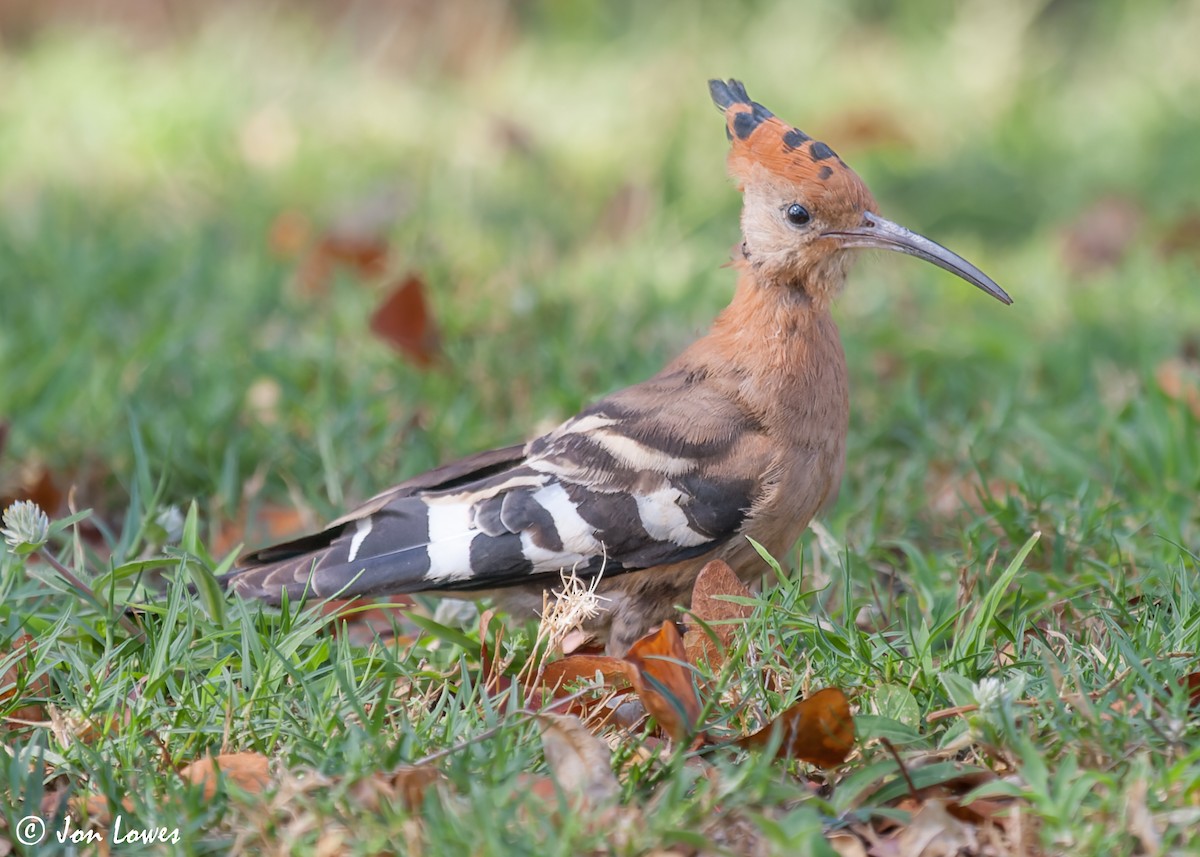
{"x": 615, "y": 489}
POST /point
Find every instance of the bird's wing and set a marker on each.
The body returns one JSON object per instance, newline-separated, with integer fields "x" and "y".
{"x": 652, "y": 475}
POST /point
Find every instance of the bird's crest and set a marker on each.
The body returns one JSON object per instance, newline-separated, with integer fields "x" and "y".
{"x": 759, "y": 138}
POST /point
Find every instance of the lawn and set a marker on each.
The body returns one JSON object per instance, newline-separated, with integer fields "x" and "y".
{"x": 203, "y": 205}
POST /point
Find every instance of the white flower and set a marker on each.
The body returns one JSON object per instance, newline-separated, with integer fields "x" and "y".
{"x": 989, "y": 694}
{"x": 26, "y": 526}
{"x": 170, "y": 520}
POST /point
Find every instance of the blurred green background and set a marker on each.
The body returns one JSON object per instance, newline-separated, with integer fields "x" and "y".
{"x": 554, "y": 174}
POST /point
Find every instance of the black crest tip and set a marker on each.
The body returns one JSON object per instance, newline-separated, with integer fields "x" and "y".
{"x": 725, "y": 94}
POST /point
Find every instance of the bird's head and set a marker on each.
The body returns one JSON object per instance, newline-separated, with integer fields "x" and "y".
{"x": 803, "y": 208}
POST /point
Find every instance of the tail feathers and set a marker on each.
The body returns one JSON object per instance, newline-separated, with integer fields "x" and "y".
{"x": 386, "y": 551}
{"x": 320, "y": 575}
{"x": 407, "y": 546}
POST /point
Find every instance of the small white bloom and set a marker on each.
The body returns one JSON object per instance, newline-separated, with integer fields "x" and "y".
{"x": 989, "y": 694}
{"x": 26, "y": 526}
{"x": 170, "y": 520}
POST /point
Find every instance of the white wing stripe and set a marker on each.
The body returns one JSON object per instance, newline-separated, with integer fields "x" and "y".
{"x": 638, "y": 456}
{"x": 583, "y": 425}
{"x": 362, "y": 530}
{"x": 450, "y": 537}
{"x": 544, "y": 560}
{"x": 576, "y": 534}
{"x": 664, "y": 520}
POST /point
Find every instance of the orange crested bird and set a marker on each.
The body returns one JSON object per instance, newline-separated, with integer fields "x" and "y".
{"x": 743, "y": 436}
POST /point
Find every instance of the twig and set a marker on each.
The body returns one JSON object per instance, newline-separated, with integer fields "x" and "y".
{"x": 912, "y": 788}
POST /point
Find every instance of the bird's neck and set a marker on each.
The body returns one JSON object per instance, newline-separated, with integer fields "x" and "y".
{"x": 772, "y": 329}
{"x": 780, "y": 353}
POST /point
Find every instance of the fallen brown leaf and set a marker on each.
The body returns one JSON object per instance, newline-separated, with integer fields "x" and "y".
{"x": 96, "y": 809}
{"x": 34, "y": 482}
{"x": 1139, "y": 819}
{"x": 494, "y": 678}
{"x": 818, "y": 730}
{"x": 405, "y": 321}
{"x": 709, "y": 605}
{"x": 664, "y": 682}
{"x": 1191, "y": 683}
{"x": 1179, "y": 380}
{"x": 289, "y": 233}
{"x": 580, "y": 762}
{"x": 1182, "y": 237}
{"x": 248, "y": 770}
{"x": 269, "y": 523}
{"x": 557, "y": 676}
{"x": 935, "y": 832}
{"x": 407, "y": 785}
{"x": 364, "y": 255}
{"x": 847, "y": 845}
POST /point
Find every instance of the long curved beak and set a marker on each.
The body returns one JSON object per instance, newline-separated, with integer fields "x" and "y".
{"x": 882, "y": 234}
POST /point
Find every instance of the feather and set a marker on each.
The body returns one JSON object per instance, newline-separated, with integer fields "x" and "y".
{"x": 633, "y": 482}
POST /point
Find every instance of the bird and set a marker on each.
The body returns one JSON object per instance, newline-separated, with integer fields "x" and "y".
{"x": 740, "y": 438}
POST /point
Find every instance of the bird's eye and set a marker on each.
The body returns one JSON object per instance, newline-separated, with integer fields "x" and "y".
{"x": 797, "y": 214}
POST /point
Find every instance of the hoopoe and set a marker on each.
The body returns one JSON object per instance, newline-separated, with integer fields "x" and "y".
{"x": 743, "y": 436}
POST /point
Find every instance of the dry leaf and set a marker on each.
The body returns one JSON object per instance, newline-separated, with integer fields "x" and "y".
{"x": 407, "y": 784}
{"x": 847, "y": 845}
{"x": 289, "y": 233}
{"x": 493, "y": 670}
{"x": 271, "y": 523}
{"x": 1139, "y": 819}
{"x": 1179, "y": 379}
{"x": 249, "y": 771}
{"x": 558, "y": 675}
{"x": 1191, "y": 683}
{"x": 934, "y": 832}
{"x": 95, "y": 808}
{"x": 580, "y": 762}
{"x": 579, "y": 641}
{"x": 363, "y": 255}
{"x": 664, "y": 682}
{"x": 405, "y": 322}
{"x": 818, "y": 730}
{"x": 542, "y": 787}
{"x": 33, "y": 482}
{"x": 715, "y": 580}
{"x": 1183, "y": 237}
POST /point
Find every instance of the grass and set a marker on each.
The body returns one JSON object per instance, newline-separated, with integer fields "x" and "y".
{"x": 142, "y": 301}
